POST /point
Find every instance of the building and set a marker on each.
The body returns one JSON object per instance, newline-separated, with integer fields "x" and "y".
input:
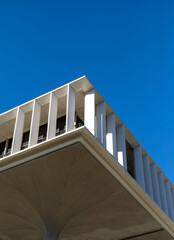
{"x": 71, "y": 170}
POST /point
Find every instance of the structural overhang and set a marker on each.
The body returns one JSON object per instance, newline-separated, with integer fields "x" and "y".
{"x": 162, "y": 224}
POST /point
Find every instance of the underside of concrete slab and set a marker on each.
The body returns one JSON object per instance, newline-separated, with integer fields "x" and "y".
{"x": 69, "y": 195}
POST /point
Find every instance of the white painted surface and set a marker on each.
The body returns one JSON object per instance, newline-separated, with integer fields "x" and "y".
{"x": 147, "y": 176}
{"x": 35, "y": 122}
{"x": 155, "y": 184}
{"x": 90, "y": 111}
{"x": 138, "y": 166}
{"x": 121, "y": 146}
{"x": 111, "y": 144}
{"x": 101, "y": 123}
{"x": 162, "y": 193}
{"x": 18, "y": 131}
{"x": 70, "y": 109}
{"x": 169, "y": 200}
{"x": 52, "y": 116}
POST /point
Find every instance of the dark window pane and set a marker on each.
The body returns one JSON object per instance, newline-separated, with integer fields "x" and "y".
{"x": 25, "y": 140}
{"x": 42, "y": 133}
{"x": 130, "y": 159}
{"x": 79, "y": 122}
{"x": 9, "y": 146}
{"x": 60, "y": 126}
{"x": 2, "y": 148}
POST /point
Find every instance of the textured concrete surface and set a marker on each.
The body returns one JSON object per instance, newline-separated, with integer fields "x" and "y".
{"x": 68, "y": 194}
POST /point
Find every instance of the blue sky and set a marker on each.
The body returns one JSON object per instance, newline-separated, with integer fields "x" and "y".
{"x": 125, "y": 48}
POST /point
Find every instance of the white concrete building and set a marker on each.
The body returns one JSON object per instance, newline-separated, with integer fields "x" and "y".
{"x": 70, "y": 169}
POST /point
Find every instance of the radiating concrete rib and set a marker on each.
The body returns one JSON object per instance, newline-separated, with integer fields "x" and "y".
{"x": 18, "y": 131}
{"x": 52, "y": 116}
{"x": 90, "y": 111}
{"x": 70, "y": 109}
{"x": 147, "y": 176}
{"x": 121, "y": 146}
{"x": 111, "y": 144}
{"x": 138, "y": 165}
{"x": 101, "y": 123}
{"x": 35, "y": 121}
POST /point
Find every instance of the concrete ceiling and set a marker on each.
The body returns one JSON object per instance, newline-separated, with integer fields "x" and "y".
{"x": 68, "y": 194}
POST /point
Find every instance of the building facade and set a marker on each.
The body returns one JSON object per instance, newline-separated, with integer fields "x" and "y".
{"x": 70, "y": 169}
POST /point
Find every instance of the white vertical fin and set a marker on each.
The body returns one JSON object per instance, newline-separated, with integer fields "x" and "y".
{"x": 155, "y": 185}
{"x": 35, "y": 122}
{"x": 18, "y": 131}
{"x": 70, "y": 109}
{"x": 111, "y": 144}
{"x": 52, "y": 116}
{"x": 121, "y": 146}
{"x": 101, "y": 123}
{"x": 147, "y": 176}
{"x": 90, "y": 111}
{"x": 173, "y": 196}
{"x": 162, "y": 193}
{"x": 169, "y": 200}
{"x": 138, "y": 165}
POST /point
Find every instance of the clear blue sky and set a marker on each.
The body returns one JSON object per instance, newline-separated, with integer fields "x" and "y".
{"x": 125, "y": 48}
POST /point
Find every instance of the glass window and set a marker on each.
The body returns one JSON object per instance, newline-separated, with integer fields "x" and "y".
{"x": 42, "y": 133}
{"x": 2, "y": 148}
{"x": 25, "y": 140}
{"x": 60, "y": 126}
{"x": 130, "y": 159}
{"x": 79, "y": 122}
{"x": 9, "y": 146}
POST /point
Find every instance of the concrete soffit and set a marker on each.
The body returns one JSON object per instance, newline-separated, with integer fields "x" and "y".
{"x": 83, "y": 136}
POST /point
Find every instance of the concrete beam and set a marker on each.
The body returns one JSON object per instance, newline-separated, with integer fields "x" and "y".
{"x": 89, "y": 114}
{"x": 111, "y": 144}
{"x": 155, "y": 184}
{"x": 147, "y": 176}
{"x": 18, "y": 131}
{"x": 121, "y": 146}
{"x": 35, "y": 122}
{"x": 52, "y": 116}
{"x": 70, "y": 109}
{"x": 101, "y": 123}
{"x": 138, "y": 166}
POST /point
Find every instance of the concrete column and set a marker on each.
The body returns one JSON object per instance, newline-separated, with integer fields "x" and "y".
{"x": 169, "y": 200}
{"x": 18, "y": 131}
{"x": 162, "y": 193}
{"x": 101, "y": 123}
{"x": 111, "y": 144}
{"x": 121, "y": 146}
{"x": 89, "y": 114}
{"x": 52, "y": 116}
{"x": 35, "y": 122}
{"x": 147, "y": 176}
{"x": 155, "y": 184}
{"x": 70, "y": 109}
{"x": 138, "y": 166}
